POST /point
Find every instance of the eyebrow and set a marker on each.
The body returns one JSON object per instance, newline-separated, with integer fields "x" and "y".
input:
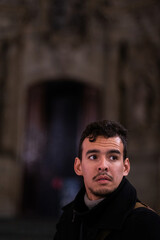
{"x": 98, "y": 151}
{"x": 114, "y": 151}
{"x": 92, "y": 151}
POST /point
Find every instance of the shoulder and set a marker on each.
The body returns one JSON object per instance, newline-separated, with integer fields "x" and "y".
{"x": 145, "y": 215}
{"x": 145, "y": 222}
{"x": 68, "y": 206}
{"x": 67, "y": 211}
{"x": 64, "y": 221}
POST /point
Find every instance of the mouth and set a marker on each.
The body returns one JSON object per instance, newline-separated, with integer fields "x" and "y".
{"x": 103, "y": 179}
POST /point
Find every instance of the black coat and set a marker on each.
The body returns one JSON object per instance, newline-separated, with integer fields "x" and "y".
{"x": 115, "y": 214}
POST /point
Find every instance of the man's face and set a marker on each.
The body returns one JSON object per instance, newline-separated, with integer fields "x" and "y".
{"x": 102, "y": 166}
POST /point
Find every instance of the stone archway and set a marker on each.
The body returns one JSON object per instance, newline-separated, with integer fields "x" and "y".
{"x": 56, "y": 113}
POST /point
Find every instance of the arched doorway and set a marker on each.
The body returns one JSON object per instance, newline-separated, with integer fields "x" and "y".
{"x": 57, "y": 111}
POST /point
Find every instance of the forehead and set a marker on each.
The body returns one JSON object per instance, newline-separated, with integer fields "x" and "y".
{"x": 103, "y": 143}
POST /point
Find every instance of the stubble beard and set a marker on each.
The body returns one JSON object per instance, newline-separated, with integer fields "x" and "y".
{"x": 100, "y": 193}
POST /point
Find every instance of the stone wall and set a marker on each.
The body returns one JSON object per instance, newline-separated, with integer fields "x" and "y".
{"x": 112, "y": 45}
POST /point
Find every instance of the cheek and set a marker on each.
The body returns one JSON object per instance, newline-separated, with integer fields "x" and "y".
{"x": 118, "y": 170}
{"x": 87, "y": 173}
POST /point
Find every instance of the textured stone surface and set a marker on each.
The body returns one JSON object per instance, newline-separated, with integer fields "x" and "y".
{"x": 111, "y": 45}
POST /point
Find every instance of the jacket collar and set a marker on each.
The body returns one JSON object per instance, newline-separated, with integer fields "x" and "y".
{"x": 112, "y": 211}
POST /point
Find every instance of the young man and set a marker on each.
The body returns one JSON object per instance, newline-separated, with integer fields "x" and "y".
{"x": 107, "y": 207}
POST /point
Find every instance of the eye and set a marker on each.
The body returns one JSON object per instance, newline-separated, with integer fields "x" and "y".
{"x": 92, "y": 157}
{"x": 113, "y": 157}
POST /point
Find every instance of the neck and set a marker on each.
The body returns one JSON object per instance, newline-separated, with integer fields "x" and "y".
{"x": 91, "y": 203}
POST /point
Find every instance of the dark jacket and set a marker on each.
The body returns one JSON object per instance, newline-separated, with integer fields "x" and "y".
{"x": 115, "y": 216}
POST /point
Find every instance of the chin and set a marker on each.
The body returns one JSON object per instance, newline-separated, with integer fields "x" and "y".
{"x": 101, "y": 192}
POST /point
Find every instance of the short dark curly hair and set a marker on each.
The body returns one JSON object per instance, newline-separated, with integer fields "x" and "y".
{"x": 107, "y": 129}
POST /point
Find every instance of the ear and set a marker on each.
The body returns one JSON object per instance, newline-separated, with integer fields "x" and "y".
{"x": 77, "y": 166}
{"x": 126, "y": 167}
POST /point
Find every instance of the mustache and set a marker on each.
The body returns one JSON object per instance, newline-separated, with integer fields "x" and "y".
{"x": 103, "y": 173}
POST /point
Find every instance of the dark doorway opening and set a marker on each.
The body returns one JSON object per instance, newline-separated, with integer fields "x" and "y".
{"x": 57, "y": 111}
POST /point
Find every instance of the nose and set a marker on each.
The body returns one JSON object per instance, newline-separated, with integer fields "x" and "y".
{"x": 103, "y": 165}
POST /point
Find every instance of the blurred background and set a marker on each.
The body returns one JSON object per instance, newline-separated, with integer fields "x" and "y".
{"x": 63, "y": 64}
